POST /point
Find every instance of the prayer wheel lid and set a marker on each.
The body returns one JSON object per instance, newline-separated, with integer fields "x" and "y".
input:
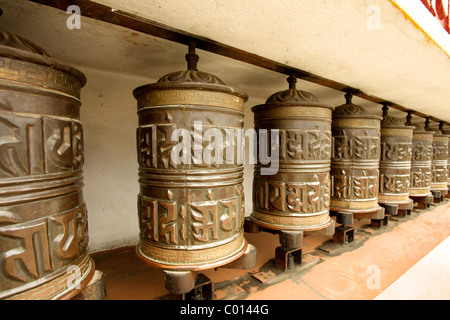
{"x": 418, "y": 128}
{"x": 437, "y": 132}
{"x": 444, "y": 131}
{"x": 17, "y": 47}
{"x": 432, "y": 130}
{"x": 15, "y": 41}
{"x": 393, "y": 122}
{"x": 351, "y": 110}
{"x": 191, "y": 78}
{"x": 293, "y": 97}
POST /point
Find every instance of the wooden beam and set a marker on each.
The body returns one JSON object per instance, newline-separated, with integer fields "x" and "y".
{"x": 134, "y": 22}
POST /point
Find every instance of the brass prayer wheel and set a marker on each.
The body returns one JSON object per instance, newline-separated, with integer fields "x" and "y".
{"x": 395, "y": 160}
{"x": 355, "y": 159}
{"x": 439, "y": 159}
{"x": 191, "y": 212}
{"x": 297, "y": 196}
{"x": 446, "y": 131}
{"x": 43, "y": 218}
{"x": 420, "y": 178}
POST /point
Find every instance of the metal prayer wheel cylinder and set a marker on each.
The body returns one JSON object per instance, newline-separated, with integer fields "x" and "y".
{"x": 297, "y": 196}
{"x": 395, "y": 160}
{"x": 446, "y": 131}
{"x": 355, "y": 159}
{"x": 43, "y": 218}
{"x": 439, "y": 159}
{"x": 420, "y": 178}
{"x": 191, "y": 213}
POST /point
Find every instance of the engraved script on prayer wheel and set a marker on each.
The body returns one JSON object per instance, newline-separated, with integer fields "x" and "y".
{"x": 297, "y": 196}
{"x": 395, "y": 160}
{"x": 191, "y": 214}
{"x": 439, "y": 159}
{"x": 355, "y": 159}
{"x": 446, "y": 131}
{"x": 420, "y": 181}
{"x": 43, "y": 218}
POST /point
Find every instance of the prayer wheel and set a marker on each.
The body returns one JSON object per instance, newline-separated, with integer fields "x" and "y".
{"x": 446, "y": 131}
{"x": 355, "y": 159}
{"x": 297, "y": 195}
{"x": 43, "y": 217}
{"x": 422, "y": 142}
{"x": 395, "y": 160}
{"x": 439, "y": 159}
{"x": 191, "y": 201}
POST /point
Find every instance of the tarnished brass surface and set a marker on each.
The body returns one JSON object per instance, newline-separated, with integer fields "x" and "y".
{"x": 395, "y": 160}
{"x": 439, "y": 169}
{"x": 420, "y": 181}
{"x": 43, "y": 218}
{"x": 439, "y": 159}
{"x": 446, "y": 131}
{"x": 297, "y": 197}
{"x": 354, "y": 159}
{"x": 191, "y": 216}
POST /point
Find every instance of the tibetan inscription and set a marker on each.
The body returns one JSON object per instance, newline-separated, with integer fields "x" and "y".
{"x": 421, "y": 151}
{"x": 394, "y": 183}
{"x": 396, "y": 151}
{"x": 169, "y": 222}
{"x": 305, "y": 145}
{"x": 421, "y": 178}
{"x": 33, "y": 146}
{"x": 291, "y": 197}
{"x": 349, "y": 187}
{"x": 31, "y": 250}
{"x": 346, "y": 147}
